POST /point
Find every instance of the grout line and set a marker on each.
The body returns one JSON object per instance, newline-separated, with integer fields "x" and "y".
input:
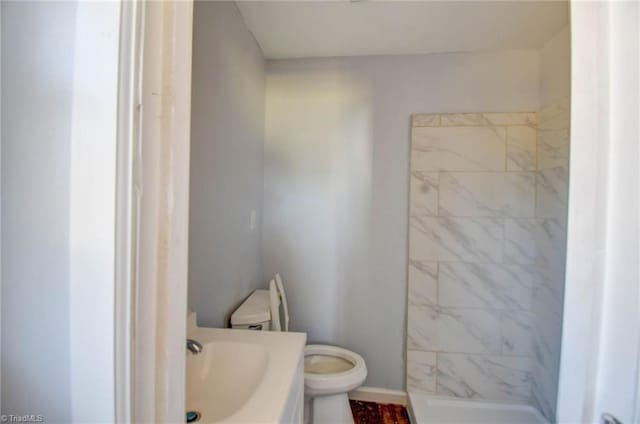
{"x": 438, "y": 283}
{"x": 435, "y": 389}
{"x": 463, "y": 262}
{"x": 478, "y": 217}
{"x": 510, "y": 263}
{"x": 438, "y": 194}
{"x": 469, "y": 308}
{"x": 467, "y": 353}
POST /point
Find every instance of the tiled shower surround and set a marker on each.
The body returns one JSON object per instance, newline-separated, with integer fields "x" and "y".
{"x": 487, "y": 230}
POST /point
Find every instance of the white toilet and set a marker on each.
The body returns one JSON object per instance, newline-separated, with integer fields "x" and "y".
{"x": 330, "y": 372}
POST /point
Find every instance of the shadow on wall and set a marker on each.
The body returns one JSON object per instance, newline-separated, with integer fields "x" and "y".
{"x": 317, "y": 196}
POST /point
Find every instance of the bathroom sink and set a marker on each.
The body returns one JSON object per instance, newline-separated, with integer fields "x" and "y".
{"x": 242, "y": 376}
{"x": 223, "y": 377}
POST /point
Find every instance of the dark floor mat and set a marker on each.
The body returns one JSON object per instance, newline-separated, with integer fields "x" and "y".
{"x": 378, "y": 413}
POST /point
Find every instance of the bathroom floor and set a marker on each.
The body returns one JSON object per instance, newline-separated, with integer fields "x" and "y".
{"x": 378, "y": 413}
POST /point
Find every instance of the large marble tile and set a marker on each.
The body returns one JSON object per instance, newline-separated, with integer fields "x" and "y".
{"x": 552, "y": 193}
{"x": 539, "y": 401}
{"x": 555, "y": 116}
{"x": 520, "y": 241}
{"x": 495, "y": 286}
{"x": 521, "y": 148}
{"x": 458, "y": 149}
{"x": 546, "y": 301}
{"x": 547, "y": 339}
{"x": 512, "y": 118}
{"x": 463, "y": 119}
{"x": 423, "y": 283}
{"x": 517, "y": 328}
{"x": 499, "y": 378}
{"x": 551, "y": 240}
{"x": 455, "y": 239}
{"x": 488, "y": 119}
{"x": 553, "y": 148}
{"x": 424, "y": 193}
{"x": 552, "y": 282}
{"x": 421, "y": 371}
{"x": 544, "y": 389}
{"x": 492, "y": 194}
{"x": 453, "y": 330}
{"x": 425, "y": 120}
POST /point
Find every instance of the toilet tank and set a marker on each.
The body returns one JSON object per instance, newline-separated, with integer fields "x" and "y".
{"x": 254, "y": 313}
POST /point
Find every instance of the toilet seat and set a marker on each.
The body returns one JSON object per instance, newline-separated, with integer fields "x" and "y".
{"x": 319, "y": 379}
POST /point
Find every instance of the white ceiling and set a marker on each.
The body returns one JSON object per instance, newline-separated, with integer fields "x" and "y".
{"x": 352, "y": 28}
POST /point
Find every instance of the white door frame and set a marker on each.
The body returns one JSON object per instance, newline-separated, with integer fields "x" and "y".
{"x": 601, "y": 337}
{"x": 127, "y": 201}
{"x": 150, "y": 357}
{"x": 152, "y": 210}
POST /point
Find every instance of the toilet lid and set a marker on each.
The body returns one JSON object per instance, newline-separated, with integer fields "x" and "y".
{"x": 283, "y": 298}
{"x": 254, "y": 310}
{"x": 274, "y": 302}
{"x": 278, "y": 304}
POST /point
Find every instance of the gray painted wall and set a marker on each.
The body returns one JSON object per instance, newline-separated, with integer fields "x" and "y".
{"x": 336, "y": 183}
{"x": 555, "y": 68}
{"x": 227, "y": 132}
{"x": 37, "y": 81}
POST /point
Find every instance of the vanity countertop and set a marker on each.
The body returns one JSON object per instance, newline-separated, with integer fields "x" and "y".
{"x": 242, "y": 376}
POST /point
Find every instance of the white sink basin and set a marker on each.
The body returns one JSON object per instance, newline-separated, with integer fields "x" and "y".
{"x": 223, "y": 377}
{"x": 242, "y": 376}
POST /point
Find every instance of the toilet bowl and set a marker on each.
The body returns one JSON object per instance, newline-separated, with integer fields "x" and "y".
{"x": 330, "y": 372}
{"x": 330, "y": 369}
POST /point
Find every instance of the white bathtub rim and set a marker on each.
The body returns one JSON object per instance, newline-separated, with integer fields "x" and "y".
{"x": 469, "y": 403}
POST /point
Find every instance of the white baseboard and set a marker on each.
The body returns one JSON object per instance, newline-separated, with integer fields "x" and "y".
{"x": 379, "y": 395}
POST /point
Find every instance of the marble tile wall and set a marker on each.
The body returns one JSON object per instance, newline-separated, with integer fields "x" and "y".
{"x": 480, "y": 209}
{"x": 551, "y": 213}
